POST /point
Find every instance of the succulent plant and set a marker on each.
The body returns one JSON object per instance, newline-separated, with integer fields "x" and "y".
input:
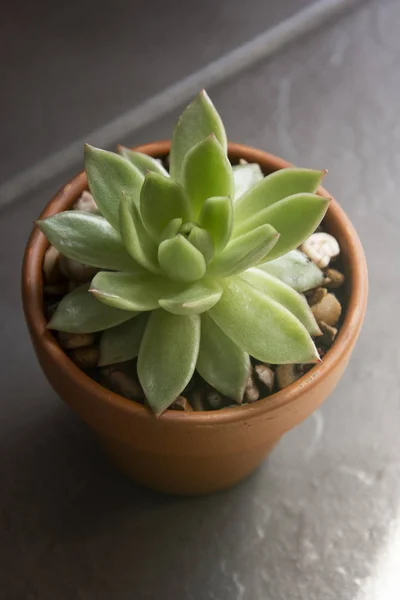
{"x": 198, "y": 267}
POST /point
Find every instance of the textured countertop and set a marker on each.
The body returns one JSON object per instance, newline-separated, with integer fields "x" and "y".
{"x": 320, "y": 520}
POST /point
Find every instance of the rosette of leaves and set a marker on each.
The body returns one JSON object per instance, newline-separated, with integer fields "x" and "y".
{"x": 197, "y": 266}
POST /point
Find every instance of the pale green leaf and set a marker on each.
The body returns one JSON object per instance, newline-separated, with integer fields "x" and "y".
{"x": 245, "y": 176}
{"x": 295, "y": 217}
{"x": 275, "y": 187}
{"x": 162, "y": 200}
{"x": 202, "y": 240}
{"x": 295, "y": 269}
{"x": 171, "y": 230}
{"x": 197, "y": 122}
{"x": 261, "y": 326}
{"x": 167, "y": 357}
{"x": 80, "y": 312}
{"x": 221, "y": 362}
{"x": 217, "y": 217}
{"x": 122, "y": 343}
{"x": 130, "y": 292}
{"x": 136, "y": 239}
{"x": 143, "y": 162}
{"x": 206, "y": 172}
{"x": 285, "y": 295}
{"x": 88, "y": 239}
{"x": 110, "y": 177}
{"x": 244, "y": 252}
{"x": 180, "y": 260}
{"x": 193, "y": 299}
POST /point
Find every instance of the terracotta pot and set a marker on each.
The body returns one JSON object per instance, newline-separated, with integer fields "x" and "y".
{"x": 200, "y": 452}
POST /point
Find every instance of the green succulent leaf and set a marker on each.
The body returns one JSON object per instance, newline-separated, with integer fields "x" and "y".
{"x": 80, "y": 312}
{"x": 295, "y": 217}
{"x": 295, "y": 269}
{"x": 129, "y": 292}
{"x": 244, "y": 252}
{"x": 161, "y": 201}
{"x": 221, "y": 362}
{"x": 245, "y": 176}
{"x": 143, "y": 162}
{"x": 202, "y": 240}
{"x": 197, "y": 122}
{"x": 276, "y": 187}
{"x": 180, "y": 260}
{"x": 261, "y": 326}
{"x": 193, "y": 299}
{"x": 167, "y": 357}
{"x": 206, "y": 172}
{"x": 217, "y": 217}
{"x": 285, "y": 295}
{"x": 87, "y": 238}
{"x": 171, "y": 230}
{"x": 136, "y": 239}
{"x": 122, "y": 342}
{"x": 110, "y": 177}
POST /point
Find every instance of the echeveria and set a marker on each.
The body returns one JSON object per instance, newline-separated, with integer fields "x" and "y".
{"x": 199, "y": 267}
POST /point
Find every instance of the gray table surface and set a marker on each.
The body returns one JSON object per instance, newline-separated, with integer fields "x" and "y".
{"x": 320, "y": 519}
{"x": 70, "y": 67}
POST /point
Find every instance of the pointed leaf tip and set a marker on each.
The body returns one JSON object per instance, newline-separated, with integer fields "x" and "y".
{"x": 261, "y": 326}
{"x": 197, "y": 121}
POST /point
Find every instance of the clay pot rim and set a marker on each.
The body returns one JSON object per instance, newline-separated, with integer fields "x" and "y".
{"x": 32, "y": 292}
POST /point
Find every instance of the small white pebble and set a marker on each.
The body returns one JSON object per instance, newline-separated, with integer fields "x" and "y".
{"x": 321, "y": 247}
{"x": 86, "y": 203}
{"x": 251, "y": 393}
{"x": 266, "y": 376}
